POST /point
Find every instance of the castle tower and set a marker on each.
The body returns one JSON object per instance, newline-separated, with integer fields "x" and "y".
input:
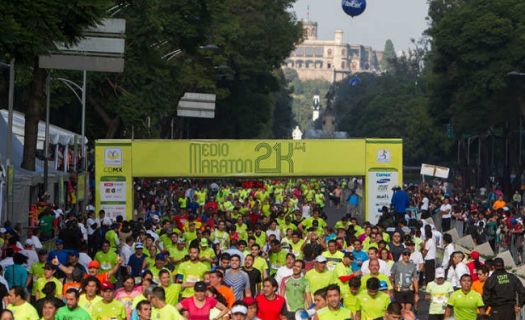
{"x": 310, "y": 30}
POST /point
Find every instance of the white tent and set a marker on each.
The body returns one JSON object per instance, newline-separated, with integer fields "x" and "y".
{"x": 25, "y": 181}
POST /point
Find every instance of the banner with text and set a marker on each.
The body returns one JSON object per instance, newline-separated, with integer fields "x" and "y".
{"x": 248, "y": 158}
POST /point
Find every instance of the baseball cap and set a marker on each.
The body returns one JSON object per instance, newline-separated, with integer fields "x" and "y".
{"x": 160, "y": 256}
{"x": 28, "y": 242}
{"x": 406, "y": 250}
{"x": 200, "y": 286}
{"x": 239, "y": 309}
{"x": 73, "y": 253}
{"x": 59, "y": 241}
{"x": 349, "y": 255}
{"x": 139, "y": 245}
{"x": 104, "y": 286}
{"x": 204, "y": 242}
{"x": 93, "y": 264}
{"x": 440, "y": 273}
{"x": 383, "y": 285}
{"x": 3, "y": 230}
{"x": 321, "y": 259}
{"x": 474, "y": 255}
{"x": 181, "y": 240}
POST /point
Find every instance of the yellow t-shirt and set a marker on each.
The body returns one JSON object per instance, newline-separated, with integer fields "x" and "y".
{"x": 41, "y": 282}
{"x": 327, "y": 314}
{"x": 109, "y": 311}
{"x": 373, "y": 307}
{"x": 173, "y": 293}
{"x": 88, "y": 305}
{"x": 318, "y": 280}
{"x": 168, "y": 312}
{"x": 191, "y": 272}
{"x": 25, "y": 311}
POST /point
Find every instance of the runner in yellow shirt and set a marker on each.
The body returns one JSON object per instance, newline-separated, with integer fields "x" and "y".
{"x": 21, "y": 309}
{"x": 372, "y": 302}
{"x": 333, "y": 309}
{"x": 161, "y": 309}
{"x": 191, "y": 271}
{"x": 89, "y": 296}
{"x": 108, "y": 308}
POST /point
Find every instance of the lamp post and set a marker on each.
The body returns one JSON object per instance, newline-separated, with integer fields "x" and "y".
{"x": 74, "y": 87}
{"x": 9, "y": 145}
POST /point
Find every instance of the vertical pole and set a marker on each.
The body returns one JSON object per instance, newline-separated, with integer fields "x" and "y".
{"x": 520, "y": 144}
{"x": 479, "y": 161}
{"x": 83, "y": 135}
{"x": 46, "y": 139}
{"x": 468, "y": 151}
{"x": 171, "y": 127}
{"x": 9, "y": 151}
{"x": 10, "y": 113}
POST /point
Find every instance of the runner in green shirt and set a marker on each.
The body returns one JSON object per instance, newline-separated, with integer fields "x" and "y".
{"x": 21, "y": 309}
{"x": 191, "y": 271}
{"x": 108, "y": 308}
{"x": 163, "y": 310}
{"x": 438, "y": 292}
{"x": 295, "y": 289}
{"x": 333, "y": 309}
{"x": 107, "y": 258}
{"x": 319, "y": 277}
{"x": 372, "y": 302}
{"x": 72, "y": 311}
{"x": 465, "y": 302}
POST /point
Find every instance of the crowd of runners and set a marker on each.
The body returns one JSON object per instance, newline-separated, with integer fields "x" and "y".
{"x": 263, "y": 249}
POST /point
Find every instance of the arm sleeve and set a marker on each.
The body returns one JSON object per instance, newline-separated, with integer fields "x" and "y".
{"x": 487, "y": 291}
{"x": 520, "y": 289}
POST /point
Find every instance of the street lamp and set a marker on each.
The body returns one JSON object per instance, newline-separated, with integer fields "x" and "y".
{"x": 82, "y": 99}
{"x": 9, "y": 151}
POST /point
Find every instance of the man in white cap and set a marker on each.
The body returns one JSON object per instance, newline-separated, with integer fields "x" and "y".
{"x": 239, "y": 311}
{"x": 29, "y": 252}
{"x": 319, "y": 277}
{"x": 437, "y": 292}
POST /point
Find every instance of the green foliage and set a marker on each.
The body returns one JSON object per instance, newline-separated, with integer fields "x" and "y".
{"x": 393, "y": 105}
{"x": 303, "y": 93}
{"x": 251, "y": 40}
{"x": 29, "y": 27}
{"x": 475, "y": 45}
{"x": 389, "y": 54}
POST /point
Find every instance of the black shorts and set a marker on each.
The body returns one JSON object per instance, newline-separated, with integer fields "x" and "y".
{"x": 404, "y": 297}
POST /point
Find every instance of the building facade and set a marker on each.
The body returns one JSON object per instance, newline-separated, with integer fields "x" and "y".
{"x": 331, "y": 60}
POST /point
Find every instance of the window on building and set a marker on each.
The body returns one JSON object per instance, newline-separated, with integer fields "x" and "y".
{"x": 343, "y": 65}
{"x": 329, "y": 65}
{"x": 329, "y": 52}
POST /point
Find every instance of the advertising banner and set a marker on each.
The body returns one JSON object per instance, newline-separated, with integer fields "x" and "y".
{"x": 380, "y": 192}
{"x": 119, "y": 161}
{"x": 248, "y": 158}
{"x": 114, "y": 180}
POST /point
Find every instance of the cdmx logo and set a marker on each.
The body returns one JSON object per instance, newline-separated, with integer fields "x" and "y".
{"x": 113, "y": 156}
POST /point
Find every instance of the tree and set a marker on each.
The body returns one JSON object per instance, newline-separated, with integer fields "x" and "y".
{"x": 475, "y": 45}
{"x": 393, "y": 105}
{"x": 389, "y": 54}
{"x": 230, "y": 48}
{"x": 29, "y": 29}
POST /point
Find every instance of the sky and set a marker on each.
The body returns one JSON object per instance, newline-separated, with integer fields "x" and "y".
{"x": 398, "y": 20}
